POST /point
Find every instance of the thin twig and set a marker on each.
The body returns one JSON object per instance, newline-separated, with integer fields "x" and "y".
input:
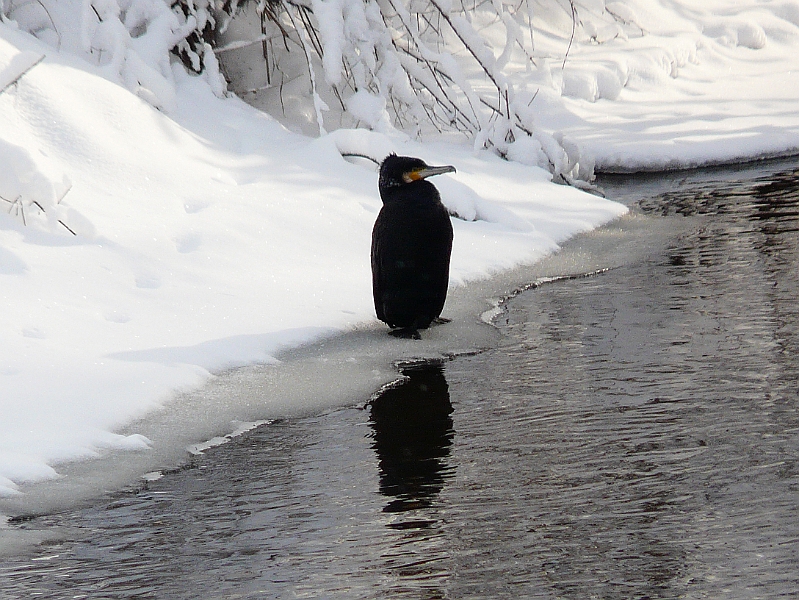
{"x": 574, "y": 29}
{"x": 471, "y": 51}
{"x": 237, "y": 44}
{"x": 265, "y": 49}
{"x": 357, "y": 155}
{"x": 21, "y": 75}
{"x": 530, "y": 25}
{"x": 67, "y": 227}
{"x": 49, "y": 16}
{"x": 62, "y": 196}
{"x": 316, "y": 98}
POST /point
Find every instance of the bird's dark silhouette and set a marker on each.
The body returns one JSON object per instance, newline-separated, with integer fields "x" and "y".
{"x": 411, "y": 247}
{"x": 413, "y": 432}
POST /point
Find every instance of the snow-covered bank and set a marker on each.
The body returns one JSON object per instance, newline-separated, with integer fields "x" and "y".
{"x": 343, "y": 369}
{"x": 162, "y": 250}
{"x": 635, "y": 84}
{"x": 697, "y": 84}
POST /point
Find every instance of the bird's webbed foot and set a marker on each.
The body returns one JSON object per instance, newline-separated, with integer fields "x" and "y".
{"x": 406, "y": 333}
{"x": 441, "y": 321}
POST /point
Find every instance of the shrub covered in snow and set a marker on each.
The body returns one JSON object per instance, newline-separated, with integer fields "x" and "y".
{"x": 132, "y": 41}
{"x": 382, "y": 64}
{"x": 469, "y": 67}
{"x": 417, "y": 66}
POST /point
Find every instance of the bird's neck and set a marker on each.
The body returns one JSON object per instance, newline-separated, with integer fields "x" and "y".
{"x": 422, "y": 192}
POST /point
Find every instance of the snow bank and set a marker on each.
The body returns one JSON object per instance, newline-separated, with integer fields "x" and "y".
{"x": 141, "y": 254}
{"x": 630, "y": 84}
{"x": 652, "y": 85}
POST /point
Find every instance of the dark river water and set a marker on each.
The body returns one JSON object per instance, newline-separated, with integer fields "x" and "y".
{"x": 634, "y": 435}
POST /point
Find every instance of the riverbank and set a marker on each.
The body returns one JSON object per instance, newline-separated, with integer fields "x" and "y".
{"x": 631, "y": 432}
{"x": 346, "y": 368}
{"x": 339, "y": 370}
{"x": 153, "y": 252}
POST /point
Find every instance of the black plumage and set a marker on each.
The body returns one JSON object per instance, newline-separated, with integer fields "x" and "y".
{"x": 411, "y": 246}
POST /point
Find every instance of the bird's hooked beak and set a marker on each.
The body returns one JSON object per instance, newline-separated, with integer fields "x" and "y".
{"x": 418, "y": 174}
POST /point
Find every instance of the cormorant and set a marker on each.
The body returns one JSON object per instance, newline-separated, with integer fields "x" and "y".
{"x": 411, "y": 247}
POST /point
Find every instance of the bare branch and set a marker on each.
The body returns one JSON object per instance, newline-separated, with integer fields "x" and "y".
{"x": 357, "y": 155}
{"x": 22, "y": 74}
{"x": 67, "y": 227}
{"x": 574, "y": 29}
{"x": 502, "y": 89}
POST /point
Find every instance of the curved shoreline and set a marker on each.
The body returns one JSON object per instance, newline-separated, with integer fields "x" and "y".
{"x": 341, "y": 370}
{"x": 344, "y": 369}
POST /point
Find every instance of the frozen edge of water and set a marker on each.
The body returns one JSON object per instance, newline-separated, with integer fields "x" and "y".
{"x": 348, "y": 369}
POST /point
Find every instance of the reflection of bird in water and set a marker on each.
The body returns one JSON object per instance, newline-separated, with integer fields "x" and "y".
{"x": 411, "y": 246}
{"x": 413, "y": 434}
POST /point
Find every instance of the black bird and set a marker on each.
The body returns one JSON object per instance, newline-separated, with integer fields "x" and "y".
{"x": 411, "y": 247}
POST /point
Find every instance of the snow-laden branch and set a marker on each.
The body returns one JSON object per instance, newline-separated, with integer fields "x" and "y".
{"x": 417, "y": 65}
{"x": 319, "y": 104}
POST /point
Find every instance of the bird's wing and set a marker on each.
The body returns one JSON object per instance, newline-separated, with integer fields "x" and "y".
{"x": 377, "y": 270}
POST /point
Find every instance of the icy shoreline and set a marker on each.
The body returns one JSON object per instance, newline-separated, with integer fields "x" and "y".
{"x": 183, "y": 247}
{"x": 344, "y": 369}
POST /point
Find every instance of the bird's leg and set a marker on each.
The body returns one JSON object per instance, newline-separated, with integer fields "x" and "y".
{"x": 406, "y": 333}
